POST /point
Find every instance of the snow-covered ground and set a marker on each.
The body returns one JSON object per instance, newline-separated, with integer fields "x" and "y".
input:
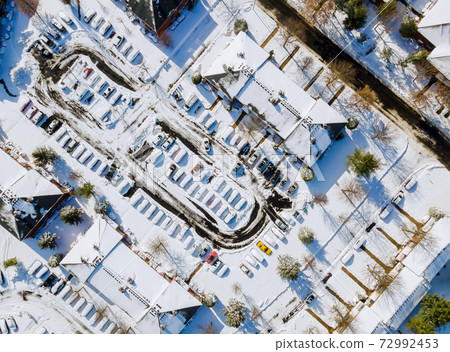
{"x": 144, "y": 180}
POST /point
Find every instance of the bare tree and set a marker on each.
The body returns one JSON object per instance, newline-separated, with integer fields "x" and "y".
{"x": 166, "y": 40}
{"x": 309, "y": 261}
{"x": 363, "y": 98}
{"x": 237, "y": 288}
{"x": 311, "y": 330}
{"x": 255, "y": 313}
{"x": 352, "y": 190}
{"x": 418, "y": 98}
{"x": 28, "y": 7}
{"x": 381, "y": 131}
{"x": 207, "y": 328}
{"x": 291, "y": 26}
{"x": 305, "y": 63}
{"x": 341, "y": 318}
{"x": 320, "y": 199}
{"x": 378, "y": 276}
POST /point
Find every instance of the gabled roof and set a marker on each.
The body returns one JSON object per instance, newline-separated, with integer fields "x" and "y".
{"x": 153, "y": 13}
{"x": 437, "y": 15}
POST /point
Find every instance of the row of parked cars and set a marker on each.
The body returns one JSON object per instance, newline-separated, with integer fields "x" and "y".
{"x": 62, "y": 289}
{"x": 32, "y": 113}
{"x": 89, "y": 157}
{"x": 254, "y": 257}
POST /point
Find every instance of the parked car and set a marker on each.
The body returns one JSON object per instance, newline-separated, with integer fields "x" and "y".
{"x": 246, "y": 270}
{"x": 255, "y": 156}
{"x": 270, "y": 170}
{"x": 58, "y": 25}
{"x": 410, "y": 182}
{"x": 53, "y": 34}
{"x": 207, "y": 145}
{"x": 47, "y": 41}
{"x": 359, "y": 243}
{"x": 65, "y": 17}
{"x": 283, "y": 182}
{"x": 170, "y": 170}
{"x": 397, "y": 198}
{"x": 89, "y": 15}
{"x": 12, "y": 325}
{"x": 211, "y": 258}
{"x": 118, "y": 40}
{"x": 42, "y": 50}
{"x": 236, "y": 168}
{"x": 292, "y": 189}
{"x": 252, "y": 261}
{"x": 262, "y": 164}
{"x": 105, "y": 29}
{"x": 158, "y": 138}
{"x": 311, "y": 297}
{"x": 169, "y": 141}
{"x": 97, "y": 22}
{"x": 276, "y": 178}
{"x": 264, "y": 248}
{"x": 386, "y": 210}
{"x": 31, "y": 112}
{"x": 282, "y": 226}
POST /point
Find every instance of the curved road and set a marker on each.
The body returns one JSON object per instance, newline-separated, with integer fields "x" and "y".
{"x": 390, "y": 104}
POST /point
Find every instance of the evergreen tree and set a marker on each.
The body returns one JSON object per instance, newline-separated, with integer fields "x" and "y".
{"x": 54, "y": 260}
{"x": 408, "y": 28}
{"x": 196, "y": 78}
{"x": 306, "y": 235}
{"x": 240, "y": 25}
{"x": 86, "y": 191}
{"x": 362, "y": 163}
{"x": 356, "y": 14}
{"x": 288, "y": 267}
{"x": 102, "y": 207}
{"x": 436, "y": 213}
{"x": 419, "y": 57}
{"x": 433, "y": 314}
{"x": 47, "y": 241}
{"x": 44, "y": 156}
{"x": 71, "y": 215}
{"x": 209, "y": 299}
{"x": 235, "y": 313}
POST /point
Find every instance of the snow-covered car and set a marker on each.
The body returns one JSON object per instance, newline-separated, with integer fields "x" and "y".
{"x": 311, "y": 297}
{"x": 53, "y": 34}
{"x": 255, "y": 156}
{"x": 252, "y": 261}
{"x": 270, "y": 240}
{"x": 12, "y": 325}
{"x": 256, "y": 255}
{"x": 89, "y": 15}
{"x": 118, "y": 40}
{"x": 292, "y": 189}
{"x": 38, "y": 117}
{"x": 58, "y": 25}
{"x": 4, "y": 327}
{"x": 170, "y": 170}
{"x": 31, "y": 112}
{"x": 180, "y": 173}
{"x": 282, "y": 226}
{"x": 126, "y": 49}
{"x": 359, "y": 243}
{"x": 235, "y": 139}
{"x": 34, "y": 267}
{"x": 167, "y": 143}
{"x": 206, "y": 145}
{"x": 222, "y": 271}
{"x": 230, "y": 217}
{"x": 185, "y": 181}
{"x": 65, "y": 17}
{"x": 41, "y": 49}
{"x": 410, "y": 182}
{"x": 283, "y": 182}
{"x": 105, "y": 29}
{"x": 347, "y": 257}
{"x": 158, "y": 138}
{"x": 135, "y": 57}
{"x": 386, "y": 210}
{"x": 47, "y": 41}
{"x": 241, "y": 204}
{"x": 397, "y": 198}
{"x": 108, "y": 92}
{"x": 97, "y": 22}
{"x": 180, "y": 156}
{"x": 246, "y": 270}
{"x": 154, "y": 157}
{"x": 236, "y": 168}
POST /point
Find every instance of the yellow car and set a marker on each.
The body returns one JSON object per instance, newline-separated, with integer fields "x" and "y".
{"x": 264, "y": 248}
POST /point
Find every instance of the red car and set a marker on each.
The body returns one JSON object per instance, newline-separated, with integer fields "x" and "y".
{"x": 211, "y": 257}
{"x": 87, "y": 72}
{"x": 25, "y": 106}
{"x": 31, "y": 112}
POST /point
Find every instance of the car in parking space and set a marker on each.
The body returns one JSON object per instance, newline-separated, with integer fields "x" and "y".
{"x": 126, "y": 49}
{"x": 245, "y": 150}
{"x": 31, "y": 112}
{"x": 89, "y": 15}
{"x": 270, "y": 240}
{"x": 203, "y": 251}
{"x": 246, "y": 270}
{"x": 311, "y": 297}
{"x": 105, "y": 29}
{"x": 256, "y": 255}
{"x": 292, "y": 189}
{"x": 255, "y": 156}
{"x": 410, "y": 182}
{"x": 97, "y": 22}
{"x": 65, "y": 17}
{"x": 212, "y": 257}
{"x": 53, "y": 34}
{"x": 270, "y": 170}
{"x": 38, "y": 117}
{"x": 283, "y": 182}
{"x": 11, "y": 323}
{"x": 158, "y": 138}
{"x": 156, "y": 154}
{"x": 282, "y": 226}
{"x": 222, "y": 271}
{"x": 170, "y": 170}
{"x": 179, "y": 174}
{"x": 87, "y": 72}
{"x": 236, "y": 168}
{"x": 108, "y": 92}
{"x": 206, "y": 145}
{"x": 47, "y": 41}
{"x": 397, "y": 198}
{"x": 135, "y": 57}
{"x": 276, "y": 178}
{"x": 262, "y": 164}
{"x": 58, "y": 25}
{"x": 4, "y": 327}
{"x": 386, "y": 210}
{"x": 42, "y": 50}
{"x": 102, "y": 87}
{"x": 168, "y": 142}
{"x": 118, "y": 40}
{"x": 180, "y": 155}
{"x": 359, "y": 242}
{"x": 251, "y": 261}
{"x": 264, "y": 248}
{"x": 230, "y": 216}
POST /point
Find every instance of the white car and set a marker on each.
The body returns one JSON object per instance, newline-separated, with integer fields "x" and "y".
{"x": 62, "y": 15}
{"x": 270, "y": 240}
{"x": 105, "y": 29}
{"x": 252, "y": 261}
{"x": 89, "y": 15}
{"x": 155, "y": 156}
{"x": 229, "y": 218}
{"x": 255, "y": 156}
{"x": 397, "y": 198}
{"x": 180, "y": 156}
{"x": 97, "y": 22}
{"x": 359, "y": 243}
{"x": 256, "y": 255}
{"x": 386, "y": 210}
{"x": 410, "y": 182}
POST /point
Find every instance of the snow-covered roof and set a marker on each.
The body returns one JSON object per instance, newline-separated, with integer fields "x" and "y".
{"x": 243, "y": 72}
{"x": 435, "y": 26}
{"x": 82, "y": 256}
{"x": 25, "y": 197}
{"x": 423, "y": 255}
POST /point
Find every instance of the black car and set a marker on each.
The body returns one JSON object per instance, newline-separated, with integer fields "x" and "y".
{"x": 50, "y": 43}
{"x": 270, "y": 170}
{"x": 53, "y": 34}
{"x": 276, "y": 178}
{"x": 245, "y": 150}
{"x": 262, "y": 164}
{"x": 50, "y": 281}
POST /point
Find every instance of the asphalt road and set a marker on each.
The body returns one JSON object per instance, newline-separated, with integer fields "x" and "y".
{"x": 390, "y": 103}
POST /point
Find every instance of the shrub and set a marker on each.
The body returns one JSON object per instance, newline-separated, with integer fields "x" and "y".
{"x": 356, "y": 15}
{"x": 235, "y": 313}
{"x": 362, "y": 163}
{"x": 436, "y": 213}
{"x": 228, "y": 108}
{"x": 288, "y": 267}
{"x": 387, "y": 9}
{"x": 102, "y": 207}
{"x": 47, "y": 241}
{"x": 44, "y": 156}
{"x": 86, "y": 191}
{"x": 434, "y": 313}
{"x": 71, "y": 215}
{"x": 352, "y": 123}
{"x": 306, "y": 235}
{"x": 240, "y": 25}
{"x": 209, "y": 300}
{"x": 408, "y": 28}
{"x": 10, "y": 262}
{"x": 419, "y": 57}
{"x": 54, "y": 260}
{"x": 307, "y": 174}
{"x": 196, "y": 78}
